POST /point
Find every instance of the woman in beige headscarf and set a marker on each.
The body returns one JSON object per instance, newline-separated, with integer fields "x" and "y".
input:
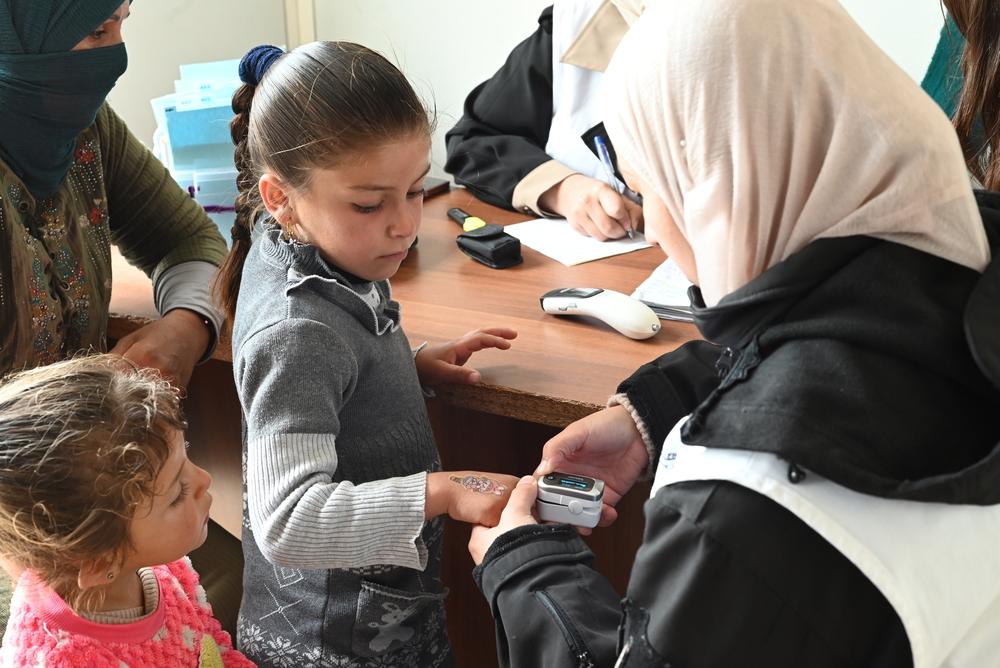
{"x": 827, "y": 469}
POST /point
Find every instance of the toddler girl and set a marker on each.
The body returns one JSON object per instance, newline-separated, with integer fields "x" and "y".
{"x": 344, "y": 497}
{"x": 98, "y": 506}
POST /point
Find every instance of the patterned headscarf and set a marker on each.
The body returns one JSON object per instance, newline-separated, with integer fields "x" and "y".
{"x": 49, "y": 26}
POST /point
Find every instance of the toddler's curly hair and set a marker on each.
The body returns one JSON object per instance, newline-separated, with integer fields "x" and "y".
{"x": 81, "y": 444}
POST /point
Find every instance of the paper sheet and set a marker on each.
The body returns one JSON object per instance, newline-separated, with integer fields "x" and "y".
{"x": 665, "y": 291}
{"x": 555, "y": 238}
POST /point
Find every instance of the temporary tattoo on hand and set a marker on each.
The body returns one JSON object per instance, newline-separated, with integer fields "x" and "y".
{"x": 480, "y": 484}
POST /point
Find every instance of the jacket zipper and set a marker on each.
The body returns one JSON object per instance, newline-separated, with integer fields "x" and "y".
{"x": 573, "y": 637}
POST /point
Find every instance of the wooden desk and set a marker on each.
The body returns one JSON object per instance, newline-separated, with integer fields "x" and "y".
{"x": 558, "y": 370}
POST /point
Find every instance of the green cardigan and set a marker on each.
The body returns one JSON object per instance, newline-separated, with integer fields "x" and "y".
{"x": 943, "y": 80}
{"x": 55, "y": 277}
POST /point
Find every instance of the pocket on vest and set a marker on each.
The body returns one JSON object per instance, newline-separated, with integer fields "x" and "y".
{"x": 389, "y": 619}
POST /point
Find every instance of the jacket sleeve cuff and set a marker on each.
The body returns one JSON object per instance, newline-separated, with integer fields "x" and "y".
{"x": 535, "y": 183}
{"x": 662, "y": 392}
{"x": 652, "y": 449}
{"x": 524, "y": 548}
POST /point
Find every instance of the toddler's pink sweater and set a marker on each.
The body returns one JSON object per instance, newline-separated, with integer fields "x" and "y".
{"x": 44, "y": 631}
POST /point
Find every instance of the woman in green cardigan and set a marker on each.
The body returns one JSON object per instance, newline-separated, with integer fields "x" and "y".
{"x": 73, "y": 181}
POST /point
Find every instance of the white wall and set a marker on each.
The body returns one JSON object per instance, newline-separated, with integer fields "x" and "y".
{"x": 445, "y": 47}
{"x": 907, "y": 30}
{"x": 162, "y": 35}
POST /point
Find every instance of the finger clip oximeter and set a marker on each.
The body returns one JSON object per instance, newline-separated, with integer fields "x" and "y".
{"x": 570, "y": 498}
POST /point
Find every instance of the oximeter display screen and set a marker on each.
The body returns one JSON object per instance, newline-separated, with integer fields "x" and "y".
{"x": 569, "y": 481}
{"x": 580, "y": 293}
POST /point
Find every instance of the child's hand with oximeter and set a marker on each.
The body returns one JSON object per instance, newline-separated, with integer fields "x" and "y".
{"x": 569, "y": 498}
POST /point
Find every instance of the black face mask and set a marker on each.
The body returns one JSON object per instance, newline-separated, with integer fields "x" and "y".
{"x": 46, "y": 101}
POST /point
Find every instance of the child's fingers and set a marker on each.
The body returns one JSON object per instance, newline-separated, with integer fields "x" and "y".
{"x": 467, "y": 346}
{"x": 503, "y": 332}
{"x": 522, "y": 499}
{"x": 491, "y": 341}
{"x": 452, "y": 373}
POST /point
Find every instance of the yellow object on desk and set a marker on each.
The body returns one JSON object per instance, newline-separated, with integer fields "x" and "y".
{"x": 468, "y": 222}
{"x": 473, "y": 223}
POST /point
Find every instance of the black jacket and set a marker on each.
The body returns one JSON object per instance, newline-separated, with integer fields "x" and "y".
{"x": 502, "y": 135}
{"x": 875, "y": 365}
{"x": 868, "y": 362}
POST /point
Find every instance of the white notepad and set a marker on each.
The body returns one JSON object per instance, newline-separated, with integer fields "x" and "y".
{"x": 554, "y": 237}
{"x": 665, "y": 291}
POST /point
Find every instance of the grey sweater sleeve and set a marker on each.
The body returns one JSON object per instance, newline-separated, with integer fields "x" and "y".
{"x": 293, "y": 379}
{"x": 188, "y": 285}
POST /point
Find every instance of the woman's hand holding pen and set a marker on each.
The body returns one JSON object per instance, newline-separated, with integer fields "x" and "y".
{"x": 592, "y": 207}
{"x": 443, "y": 363}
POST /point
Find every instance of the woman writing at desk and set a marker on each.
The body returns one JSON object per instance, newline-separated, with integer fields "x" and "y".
{"x": 519, "y": 144}
{"x": 829, "y": 497}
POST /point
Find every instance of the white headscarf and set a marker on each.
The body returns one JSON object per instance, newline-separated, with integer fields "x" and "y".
{"x": 766, "y": 124}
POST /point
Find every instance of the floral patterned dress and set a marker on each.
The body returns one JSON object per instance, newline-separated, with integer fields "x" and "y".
{"x": 55, "y": 267}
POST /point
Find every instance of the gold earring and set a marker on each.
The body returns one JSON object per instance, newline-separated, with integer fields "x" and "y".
{"x": 290, "y": 229}
{"x": 111, "y": 575}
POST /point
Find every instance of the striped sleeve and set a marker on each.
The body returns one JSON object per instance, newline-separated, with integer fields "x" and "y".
{"x": 293, "y": 379}
{"x": 302, "y": 519}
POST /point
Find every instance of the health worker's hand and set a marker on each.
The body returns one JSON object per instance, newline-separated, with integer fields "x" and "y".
{"x": 604, "y": 445}
{"x": 517, "y": 513}
{"x": 592, "y": 207}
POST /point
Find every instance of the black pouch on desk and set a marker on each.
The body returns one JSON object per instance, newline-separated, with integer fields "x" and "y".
{"x": 491, "y": 246}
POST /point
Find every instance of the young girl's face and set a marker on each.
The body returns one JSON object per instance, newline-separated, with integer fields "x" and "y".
{"x": 364, "y": 214}
{"x": 175, "y": 520}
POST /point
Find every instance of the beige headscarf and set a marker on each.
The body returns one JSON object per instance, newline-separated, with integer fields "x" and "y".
{"x": 766, "y": 124}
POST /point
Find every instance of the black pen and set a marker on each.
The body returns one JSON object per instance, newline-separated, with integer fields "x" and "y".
{"x": 602, "y": 153}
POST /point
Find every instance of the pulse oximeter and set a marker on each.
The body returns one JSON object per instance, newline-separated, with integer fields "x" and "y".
{"x": 570, "y": 498}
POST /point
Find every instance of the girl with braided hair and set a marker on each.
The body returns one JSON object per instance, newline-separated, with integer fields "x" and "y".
{"x": 345, "y": 498}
